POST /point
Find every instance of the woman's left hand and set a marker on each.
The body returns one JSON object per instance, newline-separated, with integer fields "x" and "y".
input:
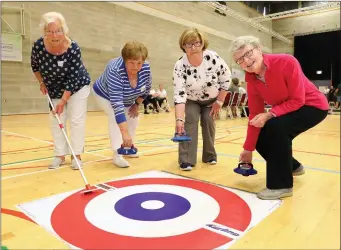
{"x": 259, "y": 120}
{"x": 215, "y": 107}
{"x": 133, "y": 111}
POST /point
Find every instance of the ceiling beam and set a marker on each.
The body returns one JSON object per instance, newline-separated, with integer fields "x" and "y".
{"x": 232, "y": 13}
{"x": 326, "y": 6}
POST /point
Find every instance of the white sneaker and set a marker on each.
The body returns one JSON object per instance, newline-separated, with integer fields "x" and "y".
{"x": 212, "y": 162}
{"x": 133, "y": 155}
{"x": 74, "y": 164}
{"x": 120, "y": 162}
{"x": 57, "y": 161}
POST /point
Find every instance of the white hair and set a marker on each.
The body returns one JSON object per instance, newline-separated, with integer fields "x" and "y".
{"x": 52, "y": 17}
{"x": 242, "y": 41}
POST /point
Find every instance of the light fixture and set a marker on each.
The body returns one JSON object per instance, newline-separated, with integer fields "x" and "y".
{"x": 319, "y": 72}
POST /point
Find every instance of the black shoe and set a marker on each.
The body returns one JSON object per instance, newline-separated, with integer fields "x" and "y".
{"x": 146, "y": 112}
{"x": 186, "y": 166}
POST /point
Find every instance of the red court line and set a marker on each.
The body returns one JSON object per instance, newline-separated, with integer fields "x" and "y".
{"x": 153, "y": 134}
{"x": 24, "y": 137}
{"x": 162, "y": 153}
{"x": 4, "y": 169}
{"x": 172, "y": 151}
{"x": 27, "y": 149}
{"x": 235, "y": 139}
{"x": 41, "y": 166}
{"x": 324, "y": 130}
{"x": 16, "y": 214}
{"x": 24, "y": 149}
{"x": 308, "y": 152}
{"x": 323, "y": 134}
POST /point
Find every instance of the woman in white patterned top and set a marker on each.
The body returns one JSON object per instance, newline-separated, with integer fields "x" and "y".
{"x": 57, "y": 64}
{"x": 201, "y": 79}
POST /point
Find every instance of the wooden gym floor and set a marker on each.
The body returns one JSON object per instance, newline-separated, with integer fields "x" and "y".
{"x": 308, "y": 220}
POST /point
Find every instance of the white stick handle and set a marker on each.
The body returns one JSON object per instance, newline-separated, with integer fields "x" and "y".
{"x": 65, "y": 135}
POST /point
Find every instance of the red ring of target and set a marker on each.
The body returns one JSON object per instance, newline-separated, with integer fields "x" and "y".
{"x": 69, "y": 222}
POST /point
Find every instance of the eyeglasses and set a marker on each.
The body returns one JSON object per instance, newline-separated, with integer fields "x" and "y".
{"x": 190, "y": 45}
{"x": 248, "y": 54}
{"x": 57, "y": 32}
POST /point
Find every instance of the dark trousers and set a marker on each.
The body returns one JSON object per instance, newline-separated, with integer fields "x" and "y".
{"x": 275, "y": 144}
{"x": 160, "y": 101}
{"x": 151, "y": 100}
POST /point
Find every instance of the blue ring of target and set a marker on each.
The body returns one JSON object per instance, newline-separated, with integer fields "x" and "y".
{"x": 130, "y": 206}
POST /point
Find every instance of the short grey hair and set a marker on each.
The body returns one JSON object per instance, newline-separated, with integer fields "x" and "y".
{"x": 242, "y": 41}
{"x": 51, "y": 17}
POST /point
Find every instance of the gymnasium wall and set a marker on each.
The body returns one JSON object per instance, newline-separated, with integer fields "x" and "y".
{"x": 318, "y": 22}
{"x": 101, "y": 29}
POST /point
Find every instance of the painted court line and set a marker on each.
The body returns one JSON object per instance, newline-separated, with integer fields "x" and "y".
{"x": 151, "y": 150}
{"x": 99, "y": 150}
{"x": 27, "y": 137}
{"x": 17, "y": 214}
{"x": 141, "y": 142}
{"x": 262, "y": 160}
{"x": 46, "y": 170}
{"x": 85, "y": 163}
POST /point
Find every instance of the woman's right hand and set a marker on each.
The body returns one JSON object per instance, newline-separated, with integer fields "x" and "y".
{"x": 245, "y": 156}
{"x": 127, "y": 141}
{"x": 43, "y": 89}
{"x": 180, "y": 127}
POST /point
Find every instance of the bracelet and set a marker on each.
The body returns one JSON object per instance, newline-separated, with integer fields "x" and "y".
{"x": 180, "y": 119}
{"x": 219, "y": 103}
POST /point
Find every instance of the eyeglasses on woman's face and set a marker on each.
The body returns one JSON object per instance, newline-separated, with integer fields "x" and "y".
{"x": 247, "y": 54}
{"x": 54, "y": 32}
{"x": 190, "y": 45}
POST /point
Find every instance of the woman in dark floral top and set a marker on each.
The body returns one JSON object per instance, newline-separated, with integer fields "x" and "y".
{"x": 57, "y": 64}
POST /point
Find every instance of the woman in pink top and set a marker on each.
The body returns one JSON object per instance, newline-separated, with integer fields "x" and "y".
{"x": 297, "y": 105}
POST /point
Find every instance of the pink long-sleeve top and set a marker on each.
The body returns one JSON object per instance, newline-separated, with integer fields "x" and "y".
{"x": 286, "y": 89}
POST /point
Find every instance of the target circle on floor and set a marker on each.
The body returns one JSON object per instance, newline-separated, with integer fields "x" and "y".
{"x": 152, "y": 206}
{"x": 151, "y": 213}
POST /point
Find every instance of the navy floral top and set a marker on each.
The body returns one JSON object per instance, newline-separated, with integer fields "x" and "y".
{"x": 62, "y": 72}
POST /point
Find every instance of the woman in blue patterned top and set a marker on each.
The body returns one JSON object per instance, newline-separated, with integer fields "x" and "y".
{"x": 57, "y": 64}
{"x": 124, "y": 84}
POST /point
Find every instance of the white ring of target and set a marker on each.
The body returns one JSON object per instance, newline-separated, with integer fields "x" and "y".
{"x": 100, "y": 212}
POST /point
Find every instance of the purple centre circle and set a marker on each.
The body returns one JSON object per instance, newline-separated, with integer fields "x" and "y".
{"x": 130, "y": 206}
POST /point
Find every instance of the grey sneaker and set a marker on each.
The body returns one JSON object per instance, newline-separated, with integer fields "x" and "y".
{"x": 57, "y": 161}
{"x": 299, "y": 171}
{"x": 273, "y": 194}
{"x": 74, "y": 165}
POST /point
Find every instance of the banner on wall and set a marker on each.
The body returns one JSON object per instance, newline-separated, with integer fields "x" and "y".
{"x": 237, "y": 73}
{"x": 11, "y": 47}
